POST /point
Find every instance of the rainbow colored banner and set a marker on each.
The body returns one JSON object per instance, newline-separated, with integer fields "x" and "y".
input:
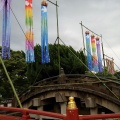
{"x": 44, "y": 34}
{"x": 100, "y": 67}
{"x": 95, "y": 62}
{"x": 29, "y": 32}
{"x": 6, "y": 28}
{"x": 88, "y": 48}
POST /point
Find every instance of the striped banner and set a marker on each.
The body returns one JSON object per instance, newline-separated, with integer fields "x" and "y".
{"x": 99, "y": 55}
{"x": 94, "y": 51}
{"x": 29, "y": 32}
{"x": 110, "y": 65}
{"x": 2, "y": 3}
{"x": 44, "y": 34}
{"x": 6, "y": 28}
{"x": 88, "y": 48}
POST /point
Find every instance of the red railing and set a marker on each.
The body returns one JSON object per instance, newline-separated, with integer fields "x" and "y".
{"x": 71, "y": 114}
{"x": 26, "y": 112}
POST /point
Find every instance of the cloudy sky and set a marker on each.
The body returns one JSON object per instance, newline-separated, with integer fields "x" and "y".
{"x": 101, "y": 16}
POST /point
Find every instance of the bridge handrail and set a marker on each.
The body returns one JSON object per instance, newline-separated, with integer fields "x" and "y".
{"x": 69, "y": 76}
{"x": 71, "y": 113}
{"x": 102, "y": 78}
{"x": 91, "y": 89}
{"x": 25, "y": 111}
{"x": 46, "y": 79}
{"x": 99, "y": 116}
{"x": 78, "y": 75}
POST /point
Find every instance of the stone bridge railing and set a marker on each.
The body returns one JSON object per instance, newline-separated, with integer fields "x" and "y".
{"x": 103, "y": 87}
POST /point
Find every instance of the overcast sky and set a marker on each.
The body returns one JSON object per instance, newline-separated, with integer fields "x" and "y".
{"x": 101, "y": 16}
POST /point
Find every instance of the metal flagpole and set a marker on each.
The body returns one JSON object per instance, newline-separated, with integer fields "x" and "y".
{"x": 83, "y": 38}
{"x": 58, "y": 38}
{"x": 103, "y": 52}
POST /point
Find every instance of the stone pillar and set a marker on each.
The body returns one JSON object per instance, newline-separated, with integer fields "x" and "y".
{"x": 61, "y": 99}
{"x": 90, "y": 102}
{"x": 63, "y": 107}
{"x": 93, "y": 111}
{"x": 36, "y": 102}
{"x": 56, "y": 108}
{"x": 39, "y": 116}
{"x": 61, "y": 76}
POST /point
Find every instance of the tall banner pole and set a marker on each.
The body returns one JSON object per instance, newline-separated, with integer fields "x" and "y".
{"x": 83, "y": 38}
{"x": 58, "y": 37}
{"x": 44, "y": 34}
{"x": 94, "y": 51}
{"x": 103, "y": 52}
{"x": 100, "y": 67}
{"x": 29, "y": 32}
{"x": 88, "y": 48}
{"x": 11, "y": 83}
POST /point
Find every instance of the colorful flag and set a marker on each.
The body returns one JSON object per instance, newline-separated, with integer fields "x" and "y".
{"x": 2, "y": 2}
{"x": 44, "y": 34}
{"x": 6, "y": 28}
{"x": 110, "y": 65}
{"x": 95, "y": 61}
{"x": 29, "y": 32}
{"x": 88, "y": 48}
{"x": 99, "y": 55}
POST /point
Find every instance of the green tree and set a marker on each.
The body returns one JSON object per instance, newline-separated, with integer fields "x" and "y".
{"x": 16, "y": 68}
{"x": 69, "y": 61}
{"x": 117, "y": 74}
{"x": 24, "y": 74}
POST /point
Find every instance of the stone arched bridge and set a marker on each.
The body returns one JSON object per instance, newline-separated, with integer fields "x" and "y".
{"x": 92, "y": 95}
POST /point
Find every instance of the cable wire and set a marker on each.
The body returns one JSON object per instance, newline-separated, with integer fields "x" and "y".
{"x": 92, "y": 72}
{"x": 112, "y": 49}
{"x": 89, "y": 30}
{"x": 72, "y": 53}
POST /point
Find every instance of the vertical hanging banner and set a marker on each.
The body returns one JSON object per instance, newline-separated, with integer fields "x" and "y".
{"x": 110, "y": 65}
{"x": 99, "y": 55}
{"x": 6, "y": 28}
{"x": 95, "y": 61}
{"x": 88, "y": 48}
{"x": 44, "y": 34}
{"x": 2, "y": 2}
{"x": 29, "y": 32}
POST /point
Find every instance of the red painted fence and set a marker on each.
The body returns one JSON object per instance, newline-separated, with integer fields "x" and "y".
{"x": 71, "y": 114}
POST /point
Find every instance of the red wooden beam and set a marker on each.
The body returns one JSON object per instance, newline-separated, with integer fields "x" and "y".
{"x": 5, "y": 117}
{"x": 71, "y": 114}
{"x": 26, "y": 112}
{"x": 99, "y": 116}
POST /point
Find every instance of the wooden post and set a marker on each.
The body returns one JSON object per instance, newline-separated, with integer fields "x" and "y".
{"x": 72, "y": 110}
{"x": 25, "y": 115}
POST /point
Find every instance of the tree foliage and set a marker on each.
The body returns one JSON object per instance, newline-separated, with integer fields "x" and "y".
{"x": 117, "y": 74}
{"x": 25, "y": 74}
{"x": 16, "y": 68}
{"x": 70, "y": 61}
